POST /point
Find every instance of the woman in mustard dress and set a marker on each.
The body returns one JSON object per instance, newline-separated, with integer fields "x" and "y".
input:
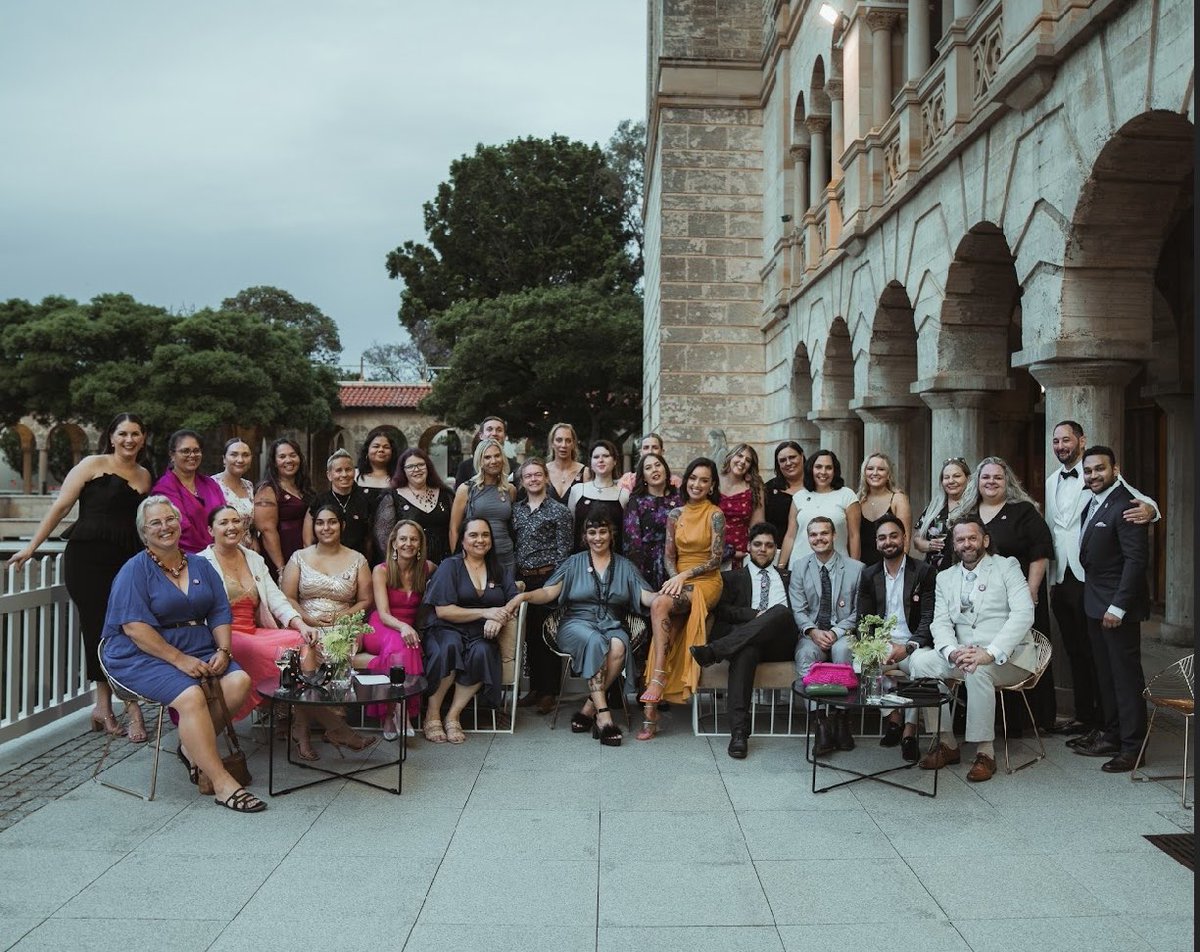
{"x": 695, "y": 543}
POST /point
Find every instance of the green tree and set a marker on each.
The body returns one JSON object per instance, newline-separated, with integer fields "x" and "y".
{"x": 401, "y": 363}
{"x": 626, "y": 156}
{"x": 318, "y": 332}
{"x": 561, "y": 353}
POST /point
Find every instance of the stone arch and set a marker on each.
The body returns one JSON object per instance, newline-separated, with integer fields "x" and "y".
{"x": 27, "y": 443}
{"x": 833, "y": 392}
{"x": 800, "y": 133}
{"x": 444, "y": 446}
{"x": 800, "y": 426}
{"x": 64, "y": 445}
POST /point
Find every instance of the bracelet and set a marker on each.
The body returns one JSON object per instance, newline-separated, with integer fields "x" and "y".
{"x": 228, "y": 653}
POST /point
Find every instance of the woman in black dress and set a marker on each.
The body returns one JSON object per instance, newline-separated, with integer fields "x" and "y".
{"x": 1016, "y": 528}
{"x": 109, "y": 487}
{"x": 351, "y": 500}
{"x": 788, "y": 478}
{"x": 601, "y": 494}
{"x": 418, "y": 494}
{"x": 377, "y": 464}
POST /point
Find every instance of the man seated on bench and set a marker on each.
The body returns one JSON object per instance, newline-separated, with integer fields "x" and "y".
{"x": 982, "y": 616}
{"x": 753, "y": 623}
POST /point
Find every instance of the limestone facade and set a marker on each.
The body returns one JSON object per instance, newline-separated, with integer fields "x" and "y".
{"x": 931, "y": 228}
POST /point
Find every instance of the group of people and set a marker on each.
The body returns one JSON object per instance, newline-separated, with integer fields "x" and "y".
{"x": 192, "y": 578}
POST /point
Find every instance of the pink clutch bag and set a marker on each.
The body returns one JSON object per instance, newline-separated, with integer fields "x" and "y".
{"x": 825, "y": 672}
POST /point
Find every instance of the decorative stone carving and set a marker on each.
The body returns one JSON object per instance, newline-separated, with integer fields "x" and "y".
{"x": 933, "y": 118}
{"x": 985, "y": 59}
{"x": 891, "y": 162}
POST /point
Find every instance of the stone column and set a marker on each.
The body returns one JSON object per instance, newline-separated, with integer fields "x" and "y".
{"x": 842, "y": 435}
{"x": 837, "y": 128}
{"x": 964, "y": 8}
{"x": 956, "y": 425}
{"x": 800, "y": 155}
{"x": 818, "y": 177}
{"x": 918, "y": 39}
{"x": 1091, "y": 392}
{"x": 1178, "y": 508}
{"x": 43, "y": 467}
{"x": 947, "y": 15}
{"x": 881, "y": 24}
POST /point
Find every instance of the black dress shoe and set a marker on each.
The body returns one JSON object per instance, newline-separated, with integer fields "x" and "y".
{"x": 1085, "y": 740}
{"x": 909, "y": 750}
{"x": 1099, "y": 748}
{"x": 823, "y": 743}
{"x": 891, "y": 734}
{"x": 739, "y": 745}
{"x": 1122, "y": 763}
{"x": 530, "y": 699}
{"x": 1069, "y": 728}
{"x": 703, "y": 655}
{"x": 842, "y": 736}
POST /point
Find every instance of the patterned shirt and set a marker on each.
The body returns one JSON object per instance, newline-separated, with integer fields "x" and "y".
{"x": 544, "y": 535}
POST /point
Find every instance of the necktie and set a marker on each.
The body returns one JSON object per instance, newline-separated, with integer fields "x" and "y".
{"x": 968, "y": 588}
{"x": 1087, "y": 516}
{"x": 764, "y": 589}
{"x": 825, "y": 612}
{"x": 1068, "y": 474}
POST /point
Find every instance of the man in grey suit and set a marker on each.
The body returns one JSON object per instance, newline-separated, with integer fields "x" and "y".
{"x": 982, "y": 615}
{"x": 824, "y": 596}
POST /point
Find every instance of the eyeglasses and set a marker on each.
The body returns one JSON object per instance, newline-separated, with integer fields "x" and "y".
{"x": 414, "y": 467}
{"x": 163, "y": 523}
{"x": 956, "y": 459}
{"x": 193, "y": 452}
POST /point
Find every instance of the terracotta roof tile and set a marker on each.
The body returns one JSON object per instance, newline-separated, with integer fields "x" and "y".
{"x": 379, "y": 395}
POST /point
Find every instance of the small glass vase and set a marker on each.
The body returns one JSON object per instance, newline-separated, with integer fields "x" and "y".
{"x": 343, "y": 671}
{"x": 871, "y": 684}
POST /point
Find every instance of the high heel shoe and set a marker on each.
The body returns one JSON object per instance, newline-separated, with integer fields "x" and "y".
{"x": 350, "y": 740}
{"x": 107, "y": 724}
{"x": 581, "y": 723}
{"x": 649, "y": 724}
{"x": 304, "y": 747}
{"x": 647, "y": 697}
{"x": 609, "y": 735}
{"x": 390, "y": 733}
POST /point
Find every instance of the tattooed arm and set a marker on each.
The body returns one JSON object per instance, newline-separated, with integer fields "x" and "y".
{"x": 675, "y": 584}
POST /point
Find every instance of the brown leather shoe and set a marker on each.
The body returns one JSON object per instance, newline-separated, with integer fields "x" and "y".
{"x": 983, "y": 769}
{"x": 546, "y": 704}
{"x": 939, "y": 757}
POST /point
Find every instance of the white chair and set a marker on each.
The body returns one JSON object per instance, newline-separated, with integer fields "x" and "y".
{"x": 1173, "y": 688}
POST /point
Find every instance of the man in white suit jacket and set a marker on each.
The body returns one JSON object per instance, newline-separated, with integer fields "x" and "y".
{"x": 982, "y": 616}
{"x": 1065, "y": 498}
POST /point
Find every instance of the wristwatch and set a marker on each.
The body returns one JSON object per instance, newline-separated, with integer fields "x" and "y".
{"x": 910, "y": 647}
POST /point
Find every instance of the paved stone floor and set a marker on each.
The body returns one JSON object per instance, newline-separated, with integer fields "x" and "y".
{"x": 543, "y": 840}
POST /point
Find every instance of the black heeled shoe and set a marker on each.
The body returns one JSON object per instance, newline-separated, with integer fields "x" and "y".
{"x": 193, "y": 771}
{"x": 582, "y": 723}
{"x": 609, "y": 735}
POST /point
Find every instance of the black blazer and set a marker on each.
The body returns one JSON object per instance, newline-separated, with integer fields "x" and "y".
{"x": 1114, "y": 555}
{"x": 920, "y": 584}
{"x": 738, "y": 596}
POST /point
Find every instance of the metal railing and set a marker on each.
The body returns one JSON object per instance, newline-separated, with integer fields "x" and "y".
{"x": 42, "y": 675}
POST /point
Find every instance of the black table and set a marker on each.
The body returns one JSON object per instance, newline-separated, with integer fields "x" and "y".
{"x": 854, "y": 701}
{"x": 356, "y": 695}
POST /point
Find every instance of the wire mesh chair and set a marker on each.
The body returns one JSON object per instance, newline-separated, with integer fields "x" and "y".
{"x": 129, "y": 696}
{"x": 1173, "y": 689}
{"x": 635, "y": 627}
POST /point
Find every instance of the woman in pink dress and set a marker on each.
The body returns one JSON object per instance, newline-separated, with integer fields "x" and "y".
{"x": 192, "y": 493}
{"x": 398, "y": 583}
{"x": 742, "y": 496}
{"x": 263, "y": 619}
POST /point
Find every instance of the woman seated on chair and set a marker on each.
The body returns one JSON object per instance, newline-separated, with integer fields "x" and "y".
{"x": 596, "y": 589}
{"x": 325, "y": 582}
{"x": 399, "y": 585}
{"x": 167, "y": 628}
{"x": 469, "y": 593}
{"x": 263, "y": 619}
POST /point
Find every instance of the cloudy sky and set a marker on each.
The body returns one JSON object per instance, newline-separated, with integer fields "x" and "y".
{"x": 182, "y": 152}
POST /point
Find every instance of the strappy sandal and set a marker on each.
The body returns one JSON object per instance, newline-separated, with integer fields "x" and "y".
{"x": 434, "y": 733}
{"x": 304, "y": 747}
{"x": 192, "y": 769}
{"x": 137, "y": 727}
{"x": 646, "y": 697}
{"x": 241, "y": 801}
{"x": 454, "y": 732}
{"x": 609, "y": 735}
{"x": 351, "y": 741}
{"x": 107, "y": 724}
{"x": 649, "y": 724}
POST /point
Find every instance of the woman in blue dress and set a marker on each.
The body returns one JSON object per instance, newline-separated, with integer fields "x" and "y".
{"x": 596, "y": 588}
{"x": 468, "y": 594}
{"x": 169, "y": 626}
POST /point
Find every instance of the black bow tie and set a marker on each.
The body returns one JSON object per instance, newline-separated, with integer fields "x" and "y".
{"x": 1068, "y": 474}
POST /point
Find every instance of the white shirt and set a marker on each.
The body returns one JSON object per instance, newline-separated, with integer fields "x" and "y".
{"x": 894, "y": 603}
{"x": 776, "y": 595}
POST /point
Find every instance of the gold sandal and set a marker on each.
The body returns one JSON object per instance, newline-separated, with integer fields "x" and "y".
{"x": 454, "y": 732}
{"x": 434, "y": 732}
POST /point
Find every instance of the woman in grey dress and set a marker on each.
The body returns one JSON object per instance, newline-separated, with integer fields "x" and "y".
{"x": 489, "y": 494}
{"x": 596, "y": 589}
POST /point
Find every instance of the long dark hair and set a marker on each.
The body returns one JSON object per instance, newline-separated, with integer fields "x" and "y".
{"x": 811, "y": 484}
{"x": 433, "y": 478}
{"x": 785, "y": 445}
{"x": 495, "y": 572}
{"x": 364, "y": 462}
{"x": 272, "y": 475}
{"x": 714, "y": 494}
{"x": 639, "y": 482}
{"x": 106, "y": 445}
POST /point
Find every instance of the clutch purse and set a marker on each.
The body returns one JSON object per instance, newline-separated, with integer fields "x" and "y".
{"x": 824, "y": 672}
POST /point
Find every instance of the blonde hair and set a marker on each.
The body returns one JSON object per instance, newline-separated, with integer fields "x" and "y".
{"x": 753, "y": 479}
{"x": 550, "y": 440}
{"x": 505, "y": 485}
{"x": 939, "y": 500}
{"x": 890, "y": 485}
{"x": 394, "y": 577}
{"x": 1013, "y": 490}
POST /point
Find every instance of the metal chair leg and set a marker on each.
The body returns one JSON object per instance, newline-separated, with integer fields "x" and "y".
{"x": 1133, "y": 774}
{"x": 562, "y": 686}
{"x": 153, "y": 767}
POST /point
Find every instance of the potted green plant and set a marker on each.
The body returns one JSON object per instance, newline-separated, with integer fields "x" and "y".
{"x": 871, "y": 649}
{"x": 339, "y": 644}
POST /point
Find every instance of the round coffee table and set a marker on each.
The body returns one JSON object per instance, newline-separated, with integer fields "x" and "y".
{"x": 856, "y": 702}
{"x": 356, "y": 695}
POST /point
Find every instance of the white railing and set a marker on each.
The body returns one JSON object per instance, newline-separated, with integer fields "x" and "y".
{"x": 42, "y": 673}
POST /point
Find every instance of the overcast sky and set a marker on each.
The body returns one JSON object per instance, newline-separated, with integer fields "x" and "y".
{"x": 182, "y": 152}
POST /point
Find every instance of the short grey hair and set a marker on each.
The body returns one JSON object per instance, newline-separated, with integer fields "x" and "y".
{"x": 158, "y": 499}
{"x": 336, "y": 455}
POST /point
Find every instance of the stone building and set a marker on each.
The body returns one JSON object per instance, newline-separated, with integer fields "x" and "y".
{"x": 931, "y": 229}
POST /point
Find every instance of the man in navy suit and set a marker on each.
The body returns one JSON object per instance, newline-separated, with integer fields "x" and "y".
{"x": 753, "y": 623}
{"x": 1114, "y": 554}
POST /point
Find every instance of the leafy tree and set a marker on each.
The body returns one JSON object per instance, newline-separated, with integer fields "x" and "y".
{"x": 626, "y": 155}
{"x": 530, "y": 213}
{"x": 569, "y": 353}
{"x": 318, "y": 333}
{"x": 401, "y": 363}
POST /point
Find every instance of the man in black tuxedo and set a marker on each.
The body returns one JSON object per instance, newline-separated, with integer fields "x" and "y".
{"x": 1114, "y": 554}
{"x": 899, "y": 585}
{"x": 753, "y": 623}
